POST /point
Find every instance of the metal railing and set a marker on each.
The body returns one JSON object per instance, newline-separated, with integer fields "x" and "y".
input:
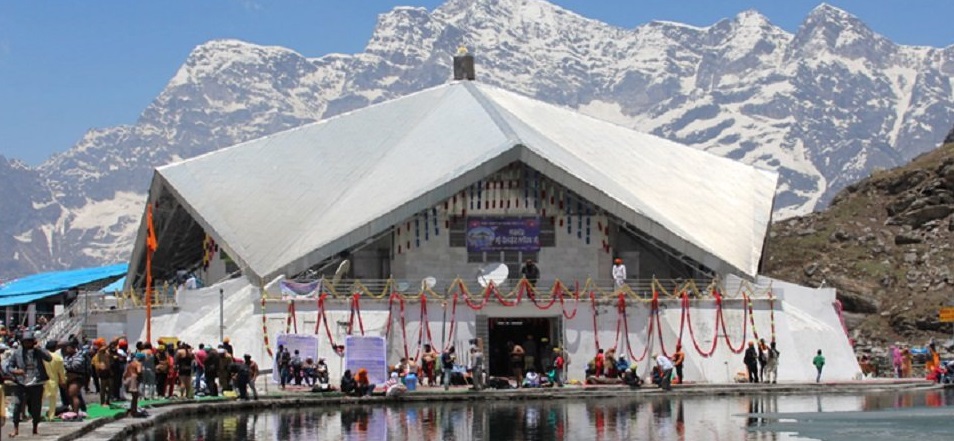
{"x": 602, "y": 289}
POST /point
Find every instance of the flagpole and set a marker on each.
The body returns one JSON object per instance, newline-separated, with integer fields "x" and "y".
{"x": 151, "y": 245}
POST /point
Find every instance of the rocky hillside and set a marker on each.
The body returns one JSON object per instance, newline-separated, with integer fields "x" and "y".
{"x": 886, "y": 243}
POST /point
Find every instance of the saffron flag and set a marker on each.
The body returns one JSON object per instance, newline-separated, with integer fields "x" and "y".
{"x": 151, "y": 242}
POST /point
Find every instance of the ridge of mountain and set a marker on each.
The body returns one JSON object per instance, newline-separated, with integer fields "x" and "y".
{"x": 741, "y": 88}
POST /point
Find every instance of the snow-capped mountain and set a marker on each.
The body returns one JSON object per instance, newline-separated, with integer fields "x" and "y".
{"x": 824, "y": 106}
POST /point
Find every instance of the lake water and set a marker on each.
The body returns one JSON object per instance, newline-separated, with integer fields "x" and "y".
{"x": 918, "y": 415}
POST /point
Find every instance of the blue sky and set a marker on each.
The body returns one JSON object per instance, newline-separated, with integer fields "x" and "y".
{"x": 71, "y": 65}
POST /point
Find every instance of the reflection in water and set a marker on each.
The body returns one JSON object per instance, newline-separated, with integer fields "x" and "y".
{"x": 660, "y": 418}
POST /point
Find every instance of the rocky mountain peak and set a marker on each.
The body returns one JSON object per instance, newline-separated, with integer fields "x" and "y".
{"x": 226, "y": 57}
{"x": 828, "y": 29}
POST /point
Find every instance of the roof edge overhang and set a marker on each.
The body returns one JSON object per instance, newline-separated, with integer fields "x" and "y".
{"x": 624, "y": 212}
{"x": 159, "y": 185}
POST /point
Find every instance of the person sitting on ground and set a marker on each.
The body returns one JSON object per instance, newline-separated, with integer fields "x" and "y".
{"x": 348, "y": 385}
{"x": 309, "y": 371}
{"x": 590, "y": 370}
{"x": 630, "y": 378}
{"x": 401, "y": 368}
{"x": 609, "y": 360}
{"x": 364, "y": 386}
{"x": 321, "y": 372}
{"x": 393, "y": 387}
{"x": 621, "y": 365}
{"x": 545, "y": 379}
{"x": 599, "y": 363}
{"x": 532, "y": 379}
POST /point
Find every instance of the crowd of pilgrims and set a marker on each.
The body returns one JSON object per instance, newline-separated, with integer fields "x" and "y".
{"x": 171, "y": 370}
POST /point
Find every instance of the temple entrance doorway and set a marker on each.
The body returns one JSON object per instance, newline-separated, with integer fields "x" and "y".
{"x": 537, "y": 335}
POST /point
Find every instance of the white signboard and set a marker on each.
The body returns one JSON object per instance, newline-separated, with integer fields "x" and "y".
{"x": 370, "y": 353}
{"x": 109, "y": 330}
{"x": 305, "y": 344}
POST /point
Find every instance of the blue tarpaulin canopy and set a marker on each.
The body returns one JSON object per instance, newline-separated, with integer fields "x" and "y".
{"x": 115, "y": 286}
{"x": 32, "y": 288}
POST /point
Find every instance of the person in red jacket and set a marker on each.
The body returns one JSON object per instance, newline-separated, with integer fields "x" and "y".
{"x": 600, "y": 363}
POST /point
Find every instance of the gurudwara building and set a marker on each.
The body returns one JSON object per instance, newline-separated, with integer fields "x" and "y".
{"x": 411, "y": 219}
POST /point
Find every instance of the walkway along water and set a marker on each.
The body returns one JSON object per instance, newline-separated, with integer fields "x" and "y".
{"x": 121, "y": 428}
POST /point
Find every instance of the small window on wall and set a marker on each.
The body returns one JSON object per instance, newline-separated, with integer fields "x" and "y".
{"x": 458, "y": 231}
{"x": 476, "y": 258}
{"x": 547, "y": 236}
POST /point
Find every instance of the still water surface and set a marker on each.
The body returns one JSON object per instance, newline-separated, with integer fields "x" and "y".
{"x": 920, "y": 415}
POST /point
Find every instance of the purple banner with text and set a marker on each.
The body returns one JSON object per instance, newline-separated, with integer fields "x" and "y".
{"x": 503, "y": 234}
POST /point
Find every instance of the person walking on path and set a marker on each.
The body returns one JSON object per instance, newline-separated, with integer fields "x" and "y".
{"x": 516, "y": 362}
{"x": 619, "y": 273}
{"x": 896, "y": 361}
{"x": 430, "y": 364}
{"x": 56, "y": 372}
{"x": 819, "y": 362}
{"x": 677, "y": 360}
{"x": 210, "y": 369}
{"x": 131, "y": 383}
{"x": 665, "y": 368}
{"x": 763, "y": 358}
{"x": 771, "y": 365}
{"x": 252, "y": 374}
{"x": 101, "y": 363}
{"x": 559, "y": 363}
{"x": 183, "y": 365}
{"x": 75, "y": 366}
{"x": 907, "y": 363}
{"x": 240, "y": 376}
{"x": 447, "y": 365}
{"x": 29, "y": 375}
{"x": 933, "y": 363}
{"x": 751, "y": 362}
{"x": 477, "y": 365}
{"x": 284, "y": 365}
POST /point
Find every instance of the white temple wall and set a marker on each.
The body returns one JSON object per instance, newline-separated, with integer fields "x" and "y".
{"x": 805, "y": 321}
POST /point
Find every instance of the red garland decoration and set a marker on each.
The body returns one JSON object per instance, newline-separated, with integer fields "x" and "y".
{"x": 748, "y": 303}
{"x": 323, "y": 318}
{"x": 492, "y": 287}
{"x": 596, "y": 331}
{"x": 576, "y": 305}
{"x": 477, "y": 307}
{"x": 355, "y": 311}
{"x": 721, "y": 318}
{"x": 649, "y": 338}
{"x": 692, "y": 334}
{"x": 424, "y": 325}
{"x": 525, "y": 285}
{"x": 453, "y": 324}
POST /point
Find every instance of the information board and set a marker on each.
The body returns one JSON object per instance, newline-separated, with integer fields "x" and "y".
{"x": 306, "y": 344}
{"x": 370, "y": 353}
{"x": 946, "y": 314}
{"x": 503, "y": 234}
